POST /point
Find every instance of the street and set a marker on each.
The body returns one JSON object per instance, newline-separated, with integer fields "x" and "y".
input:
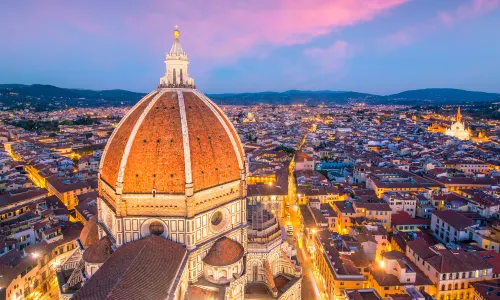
{"x": 309, "y": 288}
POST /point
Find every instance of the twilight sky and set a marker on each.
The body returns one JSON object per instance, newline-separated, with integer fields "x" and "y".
{"x": 375, "y": 46}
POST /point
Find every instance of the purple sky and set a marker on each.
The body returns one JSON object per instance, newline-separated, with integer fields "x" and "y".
{"x": 375, "y": 46}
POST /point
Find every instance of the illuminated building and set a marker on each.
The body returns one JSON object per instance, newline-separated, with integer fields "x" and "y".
{"x": 458, "y": 129}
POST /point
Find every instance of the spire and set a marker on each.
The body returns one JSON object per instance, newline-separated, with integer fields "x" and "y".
{"x": 176, "y": 74}
{"x": 459, "y": 115}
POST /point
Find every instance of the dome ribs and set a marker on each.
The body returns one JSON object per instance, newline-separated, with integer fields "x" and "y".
{"x": 228, "y": 127}
{"x": 209, "y": 156}
{"x": 159, "y": 162}
{"x": 113, "y": 152}
{"x": 185, "y": 141}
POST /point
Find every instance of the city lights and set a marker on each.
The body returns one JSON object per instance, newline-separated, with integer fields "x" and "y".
{"x": 314, "y": 168}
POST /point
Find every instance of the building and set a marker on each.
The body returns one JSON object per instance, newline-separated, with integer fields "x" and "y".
{"x": 393, "y": 272}
{"x": 30, "y": 273}
{"x": 391, "y": 179}
{"x": 271, "y": 261}
{"x": 486, "y": 237}
{"x": 350, "y": 213}
{"x": 468, "y": 166}
{"x": 450, "y": 226}
{"x": 67, "y": 190}
{"x": 458, "y": 129}
{"x": 487, "y": 290}
{"x": 303, "y": 161}
{"x": 402, "y": 202}
{"x": 481, "y": 202}
{"x": 402, "y": 221}
{"x": 451, "y": 271}
{"x": 172, "y": 202}
{"x": 341, "y": 263}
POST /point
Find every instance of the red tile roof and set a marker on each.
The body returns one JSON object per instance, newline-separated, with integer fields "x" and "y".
{"x": 454, "y": 219}
{"x": 403, "y": 218}
{"x": 144, "y": 269}
{"x": 90, "y": 233}
{"x": 99, "y": 251}
{"x": 224, "y": 252}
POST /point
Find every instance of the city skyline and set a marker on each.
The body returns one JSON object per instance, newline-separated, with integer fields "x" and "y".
{"x": 381, "y": 47}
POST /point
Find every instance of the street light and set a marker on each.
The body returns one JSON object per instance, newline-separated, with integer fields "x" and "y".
{"x": 381, "y": 264}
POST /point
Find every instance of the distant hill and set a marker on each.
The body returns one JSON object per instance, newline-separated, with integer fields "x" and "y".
{"x": 55, "y": 97}
{"x": 293, "y": 97}
{"x": 50, "y": 97}
{"x": 445, "y": 96}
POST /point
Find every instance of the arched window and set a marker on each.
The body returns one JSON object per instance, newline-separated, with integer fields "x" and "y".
{"x": 175, "y": 77}
{"x": 181, "y": 77}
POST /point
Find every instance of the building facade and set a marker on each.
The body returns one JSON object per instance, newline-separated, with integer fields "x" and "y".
{"x": 458, "y": 128}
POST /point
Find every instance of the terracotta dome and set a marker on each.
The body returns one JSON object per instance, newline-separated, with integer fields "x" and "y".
{"x": 224, "y": 252}
{"x": 99, "y": 252}
{"x": 90, "y": 232}
{"x": 171, "y": 137}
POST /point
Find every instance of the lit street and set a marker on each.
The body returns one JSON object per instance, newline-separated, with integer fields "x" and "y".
{"x": 309, "y": 287}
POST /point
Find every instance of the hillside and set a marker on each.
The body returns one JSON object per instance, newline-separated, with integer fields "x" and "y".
{"x": 48, "y": 96}
{"x": 293, "y": 97}
{"x": 445, "y": 96}
{"x": 44, "y": 97}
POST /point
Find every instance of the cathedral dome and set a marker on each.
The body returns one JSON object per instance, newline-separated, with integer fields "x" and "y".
{"x": 175, "y": 141}
{"x": 99, "y": 252}
{"x": 171, "y": 138}
{"x": 224, "y": 252}
{"x": 90, "y": 233}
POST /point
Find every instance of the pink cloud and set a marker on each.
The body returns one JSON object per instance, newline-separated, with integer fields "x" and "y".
{"x": 213, "y": 32}
{"x": 224, "y": 30}
{"x": 331, "y": 58}
{"x": 410, "y": 34}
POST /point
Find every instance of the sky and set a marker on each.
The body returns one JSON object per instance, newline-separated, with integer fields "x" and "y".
{"x": 372, "y": 46}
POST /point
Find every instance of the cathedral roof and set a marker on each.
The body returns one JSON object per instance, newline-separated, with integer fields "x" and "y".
{"x": 198, "y": 293}
{"x": 144, "y": 269}
{"x": 99, "y": 251}
{"x": 170, "y": 138}
{"x": 89, "y": 234}
{"x": 224, "y": 252}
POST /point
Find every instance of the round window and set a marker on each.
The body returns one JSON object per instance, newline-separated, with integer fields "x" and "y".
{"x": 156, "y": 228}
{"x": 216, "y": 218}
